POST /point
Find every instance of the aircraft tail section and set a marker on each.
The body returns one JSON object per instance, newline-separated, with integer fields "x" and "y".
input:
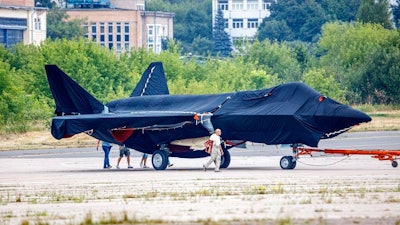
{"x": 69, "y": 96}
{"x": 153, "y": 81}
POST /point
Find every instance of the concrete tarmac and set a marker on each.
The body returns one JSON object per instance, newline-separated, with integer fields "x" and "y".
{"x": 69, "y": 186}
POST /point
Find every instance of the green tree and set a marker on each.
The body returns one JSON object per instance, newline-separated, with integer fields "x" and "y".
{"x": 202, "y": 46}
{"x": 350, "y": 50}
{"x": 58, "y": 25}
{"x": 303, "y": 17}
{"x": 378, "y": 12}
{"x": 325, "y": 83}
{"x": 341, "y": 10}
{"x": 222, "y": 41}
{"x": 381, "y": 77}
{"x": 12, "y": 100}
{"x": 275, "y": 30}
{"x": 275, "y": 58}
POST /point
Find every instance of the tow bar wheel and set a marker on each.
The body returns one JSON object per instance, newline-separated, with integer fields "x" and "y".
{"x": 287, "y": 163}
{"x": 394, "y": 164}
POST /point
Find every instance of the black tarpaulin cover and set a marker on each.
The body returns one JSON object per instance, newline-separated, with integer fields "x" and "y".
{"x": 284, "y": 114}
{"x": 153, "y": 81}
{"x": 70, "y": 98}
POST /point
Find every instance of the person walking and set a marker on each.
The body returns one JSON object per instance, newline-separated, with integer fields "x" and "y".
{"x": 106, "y": 148}
{"x": 123, "y": 150}
{"x": 216, "y": 151}
{"x": 144, "y": 161}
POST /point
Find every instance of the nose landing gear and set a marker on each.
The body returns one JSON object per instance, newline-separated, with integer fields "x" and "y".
{"x": 287, "y": 162}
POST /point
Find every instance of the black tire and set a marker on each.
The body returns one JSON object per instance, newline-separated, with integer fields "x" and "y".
{"x": 287, "y": 163}
{"x": 159, "y": 160}
{"x": 225, "y": 159}
{"x": 395, "y": 164}
{"x": 293, "y": 165}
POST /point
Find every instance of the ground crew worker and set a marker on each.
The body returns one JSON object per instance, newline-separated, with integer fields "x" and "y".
{"x": 123, "y": 150}
{"x": 216, "y": 151}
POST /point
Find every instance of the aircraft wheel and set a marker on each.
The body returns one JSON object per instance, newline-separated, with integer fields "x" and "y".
{"x": 395, "y": 164}
{"x": 287, "y": 163}
{"x": 225, "y": 159}
{"x": 159, "y": 160}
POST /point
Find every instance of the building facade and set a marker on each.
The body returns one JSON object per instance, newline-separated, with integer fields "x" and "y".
{"x": 125, "y": 25}
{"x": 242, "y": 17}
{"x": 21, "y": 21}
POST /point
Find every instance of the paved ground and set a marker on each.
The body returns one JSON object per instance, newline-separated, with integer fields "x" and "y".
{"x": 67, "y": 187}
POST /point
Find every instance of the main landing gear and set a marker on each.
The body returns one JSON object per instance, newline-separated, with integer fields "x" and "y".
{"x": 160, "y": 158}
{"x": 225, "y": 159}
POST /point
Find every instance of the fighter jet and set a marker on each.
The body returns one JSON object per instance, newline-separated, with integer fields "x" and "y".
{"x": 153, "y": 121}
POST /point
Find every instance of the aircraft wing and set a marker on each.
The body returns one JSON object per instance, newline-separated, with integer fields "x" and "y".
{"x": 66, "y": 126}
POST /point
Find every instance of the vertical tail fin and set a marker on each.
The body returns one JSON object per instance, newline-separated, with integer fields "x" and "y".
{"x": 69, "y": 96}
{"x": 153, "y": 81}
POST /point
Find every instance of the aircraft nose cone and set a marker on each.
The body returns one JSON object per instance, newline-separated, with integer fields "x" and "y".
{"x": 339, "y": 118}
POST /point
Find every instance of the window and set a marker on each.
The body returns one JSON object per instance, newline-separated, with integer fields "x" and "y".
{"x": 102, "y": 38}
{"x": 267, "y": 4}
{"x": 86, "y": 29}
{"x": 2, "y": 36}
{"x": 110, "y": 45}
{"x": 140, "y": 7}
{"x": 38, "y": 24}
{"x": 21, "y": 23}
{"x": 155, "y": 34}
{"x": 9, "y": 38}
{"x": 101, "y": 28}
{"x": 237, "y": 23}
{"x": 118, "y": 28}
{"x": 226, "y": 24}
{"x": 110, "y": 38}
{"x": 126, "y": 28}
{"x": 93, "y": 25}
{"x": 118, "y": 48}
{"x": 14, "y": 37}
{"x": 151, "y": 39}
{"x": 126, "y": 38}
{"x": 252, "y": 5}
{"x": 252, "y": 23}
{"x": 110, "y": 27}
{"x": 118, "y": 37}
{"x": 127, "y": 48}
{"x": 223, "y": 4}
{"x": 237, "y": 5}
